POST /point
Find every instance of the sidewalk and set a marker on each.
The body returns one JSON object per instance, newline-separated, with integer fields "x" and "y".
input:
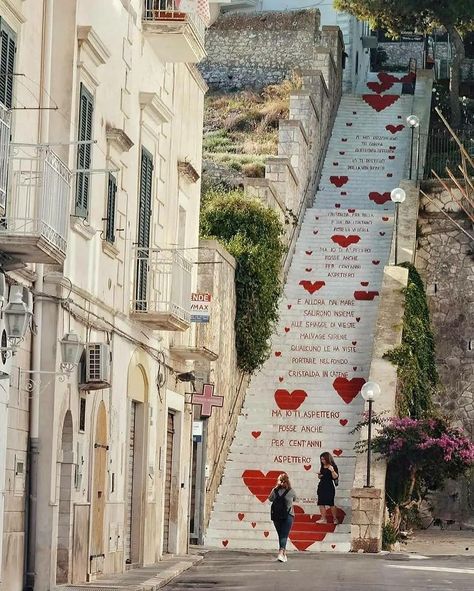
{"x": 147, "y": 578}
{"x": 439, "y": 542}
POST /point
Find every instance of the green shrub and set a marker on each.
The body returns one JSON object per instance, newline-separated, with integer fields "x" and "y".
{"x": 389, "y": 536}
{"x": 252, "y": 233}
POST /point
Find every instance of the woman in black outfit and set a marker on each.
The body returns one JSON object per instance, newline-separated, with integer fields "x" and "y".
{"x": 327, "y": 474}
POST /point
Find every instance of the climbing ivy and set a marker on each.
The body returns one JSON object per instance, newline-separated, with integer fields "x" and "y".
{"x": 252, "y": 233}
{"x": 415, "y": 357}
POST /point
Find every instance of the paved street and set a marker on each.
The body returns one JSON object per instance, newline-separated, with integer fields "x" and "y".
{"x": 313, "y": 572}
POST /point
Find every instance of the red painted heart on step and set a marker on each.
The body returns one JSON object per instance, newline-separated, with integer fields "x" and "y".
{"x": 379, "y": 198}
{"x": 391, "y": 157}
{"x": 240, "y": 516}
{"x": 385, "y": 218}
{"x": 266, "y": 533}
{"x": 277, "y": 353}
{"x": 358, "y": 319}
{"x": 345, "y": 241}
{"x": 344, "y": 139}
{"x": 379, "y": 87}
{"x": 382, "y": 233}
{"x": 289, "y": 306}
{"x": 311, "y": 286}
{"x": 354, "y": 112}
{"x": 337, "y": 205}
{"x": 280, "y": 379}
{"x": 335, "y": 163}
{"x": 393, "y": 147}
{"x": 307, "y": 467}
{"x": 287, "y": 329}
{"x": 308, "y": 529}
{"x": 354, "y": 343}
{"x": 351, "y": 210}
{"x": 333, "y": 546}
{"x": 389, "y": 175}
{"x": 254, "y": 524}
{"x": 256, "y": 434}
{"x": 364, "y": 283}
{"x": 290, "y": 400}
{"x": 315, "y": 232}
{"x": 393, "y": 129}
{"x": 348, "y": 389}
{"x": 348, "y": 124}
{"x": 375, "y": 262}
{"x": 260, "y": 484}
{"x": 399, "y": 117}
{"x": 366, "y": 296}
{"x": 337, "y": 452}
{"x": 224, "y": 543}
{"x": 343, "y": 422}
{"x": 380, "y": 102}
{"x": 341, "y": 153}
{"x": 339, "y": 181}
{"x": 343, "y": 193}
{"x": 308, "y": 269}
{"x": 387, "y": 78}
{"x": 309, "y": 252}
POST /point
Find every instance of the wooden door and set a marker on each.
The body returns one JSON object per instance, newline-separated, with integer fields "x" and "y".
{"x": 168, "y": 479}
{"x": 99, "y": 484}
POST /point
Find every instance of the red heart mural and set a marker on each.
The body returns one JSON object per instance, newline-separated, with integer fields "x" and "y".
{"x": 379, "y": 102}
{"x": 387, "y": 78}
{"x": 358, "y": 319}
{"x": 343, "y": 193}
{"x": 382, "y": 233}
{"x": 335, "y": 163}
{"x": 364, "y": 283}
{"x": 344, "y": 139}
{"x": 260, "y": 484}
{"x": 341, "y": 153}
{"x": 351, "y": 210}
{"x": 308, "y": 269}
{"x": 307, "y": 467}
{"x": 393, "y": 129}
{"x": 348, "y": 389}
{"x": 339, "y": 181}
{"x": 312, "y": 286}
{"x": 224, "y": 543}
{"x": 290, "y": 400}
{"x": 385, "y": 218}
{"x": 266, "y": 533}
{"x": 287, "y": 329}
{"x": 379, "y": 198}
{"x": 348, "y": 124}
{"x": 375, "y": 262}
{"x": 337, "y": 205}
{"x": 379, "y": 87}
{"x": 240, "y": 516}
{"x": 254, "y": 524}
{"x": 345, "y": 241}
{"x": 343, "y": 422}
{"x": 280, "y": 379}
{"x": 365, "y": 295}
{"x": 277, "y": 353}
{"x": 289, "y": 306}
{"x": 389, "y": 175}
{"x": 307, "y": 530}
{"x": 337, "y": 452}
{"x": 354, "y": 343}
{"x": 256, "y": 434}
{"x": 391, "y": 157}
{"x": 309, "y": 252}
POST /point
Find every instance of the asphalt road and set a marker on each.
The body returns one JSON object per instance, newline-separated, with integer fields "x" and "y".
{"x": 231, "y": 571}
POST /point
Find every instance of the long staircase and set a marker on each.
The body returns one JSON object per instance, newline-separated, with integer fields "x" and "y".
{"x": 306, "y": 399}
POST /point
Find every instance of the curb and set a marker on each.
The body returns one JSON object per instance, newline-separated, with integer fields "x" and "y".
{"x": 168, "y": 574}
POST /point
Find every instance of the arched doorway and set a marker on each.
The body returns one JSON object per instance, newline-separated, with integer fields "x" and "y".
{"x": 63, "y": 553}
{"x": 99, "y": 484}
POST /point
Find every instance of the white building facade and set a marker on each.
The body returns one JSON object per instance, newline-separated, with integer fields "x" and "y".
{"x": 103, "y": 105}
{"x": 357, "y": 63}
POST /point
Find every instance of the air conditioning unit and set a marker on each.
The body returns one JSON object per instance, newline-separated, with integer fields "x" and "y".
{"x": 95, "y": 367}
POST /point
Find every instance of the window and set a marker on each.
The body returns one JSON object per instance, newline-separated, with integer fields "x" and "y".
{"x": 111, "y": 205}
{"x": 7, "y": 63}
{"x": 84, "y": 151}
{"x": 82, "y": 414}
{"x": 143, "y": 232}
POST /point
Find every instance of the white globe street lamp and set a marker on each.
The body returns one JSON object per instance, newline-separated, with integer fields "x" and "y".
{"x": 398, "y": 196}
{"x": 414, "y": 123}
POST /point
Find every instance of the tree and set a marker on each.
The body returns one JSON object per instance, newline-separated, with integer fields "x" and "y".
{"x": 253, "y": 234}
{"x": 456, "y": 16}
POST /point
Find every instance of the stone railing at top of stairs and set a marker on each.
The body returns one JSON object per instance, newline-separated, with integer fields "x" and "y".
{"x": 292, "y": 176}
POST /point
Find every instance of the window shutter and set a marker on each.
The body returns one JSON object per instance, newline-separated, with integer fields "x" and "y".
{"x": 84, "y": 151}
{"x": 144, "y": 226}
{"x": 111, "y": 205}
{"x": 7, "y": 63}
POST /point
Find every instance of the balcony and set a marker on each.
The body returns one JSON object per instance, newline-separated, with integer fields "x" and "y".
{"x": 162, "y": 289}
{"x": 175, "y": 35}
{"x": 34, "y": 220}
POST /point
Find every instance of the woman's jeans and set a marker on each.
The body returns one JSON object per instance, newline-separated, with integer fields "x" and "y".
{"x": 283, "y": 527}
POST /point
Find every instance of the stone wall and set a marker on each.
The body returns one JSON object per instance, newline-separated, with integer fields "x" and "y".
{"x": 446, "y": 263}
{"x": 254, "y": 50}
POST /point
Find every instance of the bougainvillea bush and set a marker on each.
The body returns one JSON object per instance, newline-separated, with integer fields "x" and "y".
{"x": 421, "y": 454}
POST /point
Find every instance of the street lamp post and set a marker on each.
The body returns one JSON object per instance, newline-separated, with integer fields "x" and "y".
{"x": 414, "y": 122}
{"x": 370, "y": 391}
{"x": 398, "y": 196}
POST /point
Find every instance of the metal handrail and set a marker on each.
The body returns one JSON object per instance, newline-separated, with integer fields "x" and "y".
{"x": 170, "y": 11}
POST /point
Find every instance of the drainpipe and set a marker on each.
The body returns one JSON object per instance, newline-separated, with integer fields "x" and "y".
{"x": 34, "y": 438}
